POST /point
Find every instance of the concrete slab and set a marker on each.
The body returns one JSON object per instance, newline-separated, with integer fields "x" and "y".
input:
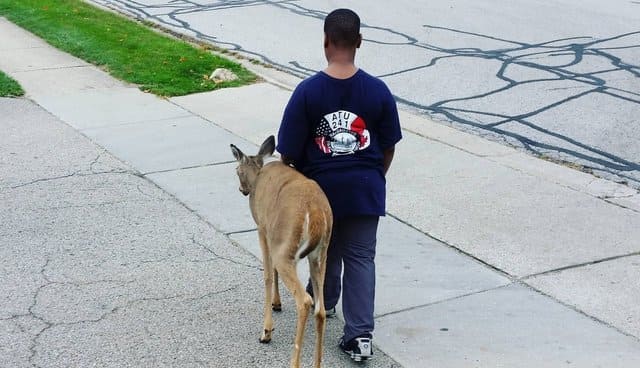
{"x": 169, "y": 144}
{"x": 25, "y": 59}
{"x": 249, "y": 241}
{"x": 608, "y": 291}
{"x": 510, "y": 157}
{"x": 562, "y": 175}
{"x": 113, "y": 106}
{"x": 522, "y": 225}
{"x": 15, "y": 37}
{"x": 52, "y": 147}
{"x": 631, "y": 202}
{"x": 422, "y": 125}
{"x": 607, "y": 189}
{"x": 43, "y": 85}
{"x": 511, "y": 326}
{"x": 212, "y": 192}
{"x": 412, "y": 269}
{"x": 254, "y": 120}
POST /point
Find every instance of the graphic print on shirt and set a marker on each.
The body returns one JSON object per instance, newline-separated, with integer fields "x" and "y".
{"x": 342, "y": 133}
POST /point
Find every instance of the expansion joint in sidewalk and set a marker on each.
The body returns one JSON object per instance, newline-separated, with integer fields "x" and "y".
{"x": 608, "y": 200}
{"x": 55, "y": 68}
{"x": 579, "y": 311}
{"x": 492, "y": 267}
{"x": 74, "y": 174}
{"x": 188, "y": 167}
{"x": 578, "y": 265}
{"x": 442, "y": 301}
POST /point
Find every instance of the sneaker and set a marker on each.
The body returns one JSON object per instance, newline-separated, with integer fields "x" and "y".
{"x": 330, "y": 313}
{"x": 359, "y": 348}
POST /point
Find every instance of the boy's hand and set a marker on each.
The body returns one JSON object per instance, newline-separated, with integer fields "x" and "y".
{"x": 287, "y": 161}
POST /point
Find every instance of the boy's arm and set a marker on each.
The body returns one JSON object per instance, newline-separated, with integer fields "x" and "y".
{"x": 390, "y": 132}
{"x": 388, "y": 157}
{"x": 287, "y": 160}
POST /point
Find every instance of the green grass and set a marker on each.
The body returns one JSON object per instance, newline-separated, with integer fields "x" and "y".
{"x": 9, "y": 87}
{"x": 126, "y": 49}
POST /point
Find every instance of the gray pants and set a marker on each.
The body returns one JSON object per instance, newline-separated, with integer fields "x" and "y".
{"x": 353, "y": 245}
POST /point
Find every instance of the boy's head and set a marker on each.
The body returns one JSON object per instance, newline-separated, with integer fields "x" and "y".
{"x": 342, "y": 29}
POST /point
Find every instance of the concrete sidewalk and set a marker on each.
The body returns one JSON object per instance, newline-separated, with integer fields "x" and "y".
{"x": 488, "y": 257}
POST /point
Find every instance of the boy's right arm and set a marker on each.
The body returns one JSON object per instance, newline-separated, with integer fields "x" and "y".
{"x": 390, "y": 132}
{"x": 387, "y": 158}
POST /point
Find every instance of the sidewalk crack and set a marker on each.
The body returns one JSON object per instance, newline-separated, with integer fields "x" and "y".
{"x": 578, "y": 265}
{"x": 75, "y": 173}
{"x": 443, "y": 300}
{"x": 193, "y": 239}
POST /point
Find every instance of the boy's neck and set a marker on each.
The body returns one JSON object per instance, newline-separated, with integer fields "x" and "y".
{"x": 341, "y": 69}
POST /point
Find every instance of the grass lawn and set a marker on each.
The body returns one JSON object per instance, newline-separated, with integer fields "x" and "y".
{"x": 9, "y": 87}
{"x": 126, "y": 49}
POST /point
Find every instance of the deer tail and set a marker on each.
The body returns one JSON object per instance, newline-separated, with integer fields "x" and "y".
{"x": 307, "y": 245}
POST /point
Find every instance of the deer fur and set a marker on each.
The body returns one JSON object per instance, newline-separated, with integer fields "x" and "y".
{"x": 294, "y": 221}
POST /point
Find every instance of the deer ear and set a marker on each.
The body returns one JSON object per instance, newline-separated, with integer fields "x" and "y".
{"x": 268, "y": 146}
{"x": 237, "y": 153}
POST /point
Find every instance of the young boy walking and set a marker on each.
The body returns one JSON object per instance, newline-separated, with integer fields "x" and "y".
{"x": 340, "y": 128}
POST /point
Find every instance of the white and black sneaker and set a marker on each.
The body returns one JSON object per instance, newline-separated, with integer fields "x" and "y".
{"x": 331, "y": 312}
{"x": 359, "y": 348}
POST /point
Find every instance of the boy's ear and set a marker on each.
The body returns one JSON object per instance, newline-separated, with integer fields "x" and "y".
{"x": 359, "y": 41}
{"x": 326, "y": 41}
{"x": 237, "y": 153}
{"x": 268, "y": 146}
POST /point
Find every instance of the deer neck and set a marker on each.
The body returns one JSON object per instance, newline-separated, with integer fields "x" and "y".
{"x": 270, "y": 159}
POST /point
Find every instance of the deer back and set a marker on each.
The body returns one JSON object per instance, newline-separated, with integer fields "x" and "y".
{"x": 289, "y": 206}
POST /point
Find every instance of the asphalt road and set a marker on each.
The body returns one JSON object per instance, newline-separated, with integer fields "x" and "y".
{"x": 559, "y": 79}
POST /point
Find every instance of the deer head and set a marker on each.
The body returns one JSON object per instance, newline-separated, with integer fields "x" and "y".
{"x": 249, "y": 166}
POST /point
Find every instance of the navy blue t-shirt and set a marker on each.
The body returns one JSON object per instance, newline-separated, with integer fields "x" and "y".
{"x": 335, "y": 131}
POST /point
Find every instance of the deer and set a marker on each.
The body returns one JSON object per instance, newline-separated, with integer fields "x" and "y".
{"x": 294, "y": 221}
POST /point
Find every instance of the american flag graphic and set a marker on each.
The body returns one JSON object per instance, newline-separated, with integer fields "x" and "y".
{"x": 339, "y": 124}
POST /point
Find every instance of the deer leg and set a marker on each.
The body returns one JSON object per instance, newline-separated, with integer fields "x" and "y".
{"x": 303, "y": 305}
{"x": 317, "y": 268}
{"x": 268, "y": 284}
{"x": 276, "y": 305}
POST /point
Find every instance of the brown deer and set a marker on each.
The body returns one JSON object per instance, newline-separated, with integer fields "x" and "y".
{"x": 294, "y": 221}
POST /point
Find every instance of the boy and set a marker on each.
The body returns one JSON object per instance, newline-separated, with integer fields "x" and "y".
{"x": 340, "y": 128}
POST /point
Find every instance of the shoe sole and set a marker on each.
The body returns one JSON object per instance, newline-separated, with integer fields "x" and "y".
{"x": 358, "y": 357}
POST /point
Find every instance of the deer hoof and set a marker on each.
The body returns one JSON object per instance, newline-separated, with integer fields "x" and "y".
{"x": 266, "y": 337}
{"x": 276, "y": 307}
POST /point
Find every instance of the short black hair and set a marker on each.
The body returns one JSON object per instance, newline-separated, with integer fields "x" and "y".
{"x": 342, "y": 27}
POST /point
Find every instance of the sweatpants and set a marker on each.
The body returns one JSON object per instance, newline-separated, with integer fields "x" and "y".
{"x": 352, "y": 250}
